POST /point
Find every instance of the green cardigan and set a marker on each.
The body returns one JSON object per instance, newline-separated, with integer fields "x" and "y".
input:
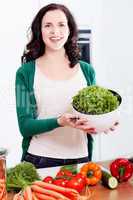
{"x": 26, "y": 106}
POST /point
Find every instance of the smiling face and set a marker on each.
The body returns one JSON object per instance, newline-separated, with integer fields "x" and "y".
{"x": 55, "y": 30}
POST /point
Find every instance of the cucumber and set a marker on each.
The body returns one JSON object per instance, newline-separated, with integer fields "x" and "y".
{"x": 108, "y": 180}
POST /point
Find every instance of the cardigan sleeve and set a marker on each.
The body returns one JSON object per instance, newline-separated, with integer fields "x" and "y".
{"x": 28, "y": 125}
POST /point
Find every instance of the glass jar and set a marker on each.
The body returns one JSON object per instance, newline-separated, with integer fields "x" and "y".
{"x": 3, "y": 193}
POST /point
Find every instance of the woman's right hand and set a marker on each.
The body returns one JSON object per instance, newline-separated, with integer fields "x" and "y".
{"x": 67, "y": 119}
{"x": 73, "y": 121}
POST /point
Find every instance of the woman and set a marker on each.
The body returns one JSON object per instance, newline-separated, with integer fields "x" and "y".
{"x": 51, "y": 73}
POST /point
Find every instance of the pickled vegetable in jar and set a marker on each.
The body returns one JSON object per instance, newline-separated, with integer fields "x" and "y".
{"x": 3, "y": 193}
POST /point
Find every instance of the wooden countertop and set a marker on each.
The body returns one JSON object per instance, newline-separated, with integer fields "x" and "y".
{"x": 124, "y": 190}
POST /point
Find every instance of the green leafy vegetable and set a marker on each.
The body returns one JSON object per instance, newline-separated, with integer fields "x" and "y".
{"x": 73, "y": 168}
{"x": 20, "y": 176}
{"x": 95, "y": 100}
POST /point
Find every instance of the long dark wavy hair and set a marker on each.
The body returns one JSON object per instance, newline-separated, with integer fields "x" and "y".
{"x": 36, "y": 47}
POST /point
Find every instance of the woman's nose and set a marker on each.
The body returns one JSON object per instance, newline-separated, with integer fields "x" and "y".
{"x": 55, "y": 30}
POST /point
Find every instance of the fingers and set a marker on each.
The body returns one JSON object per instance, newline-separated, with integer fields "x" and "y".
{"x": 114, "y": 126}
{"x": 106, "y": 131}
{"x": 85, "y": 128}
{"x": 111, "y": 129}
{"x": 91, "y": 131}
{"x": 76, "y": 121}
{"x": 81, "y": 122}
{"x": 116, "y": 123}
{"x": 64, "y": 119}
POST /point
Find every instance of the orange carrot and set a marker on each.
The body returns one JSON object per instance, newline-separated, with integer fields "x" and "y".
{"x": 21, "y": 196}
{"x": 34, "y": 196}
{"x": 54, "y": 187}
{"x": 16, "y": 196}
{"x": 2, "y": 189}
{"x": 68, "y": 192}
{"x": 2, "y": 181}
{"x": 27, "y": 193}
{"x": 44, "y": 197}
{"x": 2, "y": 193}
{"x": 2, "y": 184}
{"x": 38, "y": 189}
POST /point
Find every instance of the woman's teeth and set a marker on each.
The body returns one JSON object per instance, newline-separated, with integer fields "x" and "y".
{"x": 55, "y": 38}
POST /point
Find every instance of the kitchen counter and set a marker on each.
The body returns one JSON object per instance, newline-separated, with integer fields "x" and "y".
{"x": 124, "y": 190}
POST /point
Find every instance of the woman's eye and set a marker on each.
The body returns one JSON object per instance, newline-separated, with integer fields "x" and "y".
{"x": 47, "y": 25}
{"x": 62, "y": 25}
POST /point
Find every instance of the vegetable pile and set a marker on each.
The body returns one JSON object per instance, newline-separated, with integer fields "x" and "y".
{"x": 69, "y": 182}
{"x": 21, "y": 176}
{"x": 40, "y": 190}
{"x": 66, "y": 185}
{"x": 68, "y": 177}
{"x": 95, "y": 100}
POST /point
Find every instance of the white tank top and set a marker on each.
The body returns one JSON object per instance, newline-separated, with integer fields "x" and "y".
{"x": 54, "y": 97}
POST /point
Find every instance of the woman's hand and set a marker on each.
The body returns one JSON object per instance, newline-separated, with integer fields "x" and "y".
{"x": 111, "y": 129}
{"x": 67, "y": 119}
{"x": 83, "y": 125}
{"x": 75, "y": 122}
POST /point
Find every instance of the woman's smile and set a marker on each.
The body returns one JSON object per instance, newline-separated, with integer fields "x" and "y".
{"x": 55, "y": 39}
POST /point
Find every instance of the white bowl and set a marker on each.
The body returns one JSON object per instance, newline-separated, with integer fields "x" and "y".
{"x": 102, "y": 122}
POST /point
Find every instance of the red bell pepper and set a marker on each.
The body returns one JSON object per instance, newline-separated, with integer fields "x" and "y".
{"x": 122, "y": 169}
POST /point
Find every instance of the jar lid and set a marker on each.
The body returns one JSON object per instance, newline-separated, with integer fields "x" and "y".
{"x": 3, "y": 151}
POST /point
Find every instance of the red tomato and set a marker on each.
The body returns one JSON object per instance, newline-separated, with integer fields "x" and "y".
{"x": 61, "y": 182}
{"x": 74, "y": 183}
{"x": 48, "y": 179}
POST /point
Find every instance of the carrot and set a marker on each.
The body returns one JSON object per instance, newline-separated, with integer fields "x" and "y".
{"x": 2, "y": 180}
{"x": 27, "y": 193}
{"x": 2, "y": 193}
{"x": 21, "y": 196}
{"x": 16, "y": 196}
{"x": 34, "y": 196}
{"x": 2, "y": 185}
{"x": 70, "y": 193}
{"x": 44, "y": 197}
{"x": 38, "y": 189}
{"x": 52, "y": 186}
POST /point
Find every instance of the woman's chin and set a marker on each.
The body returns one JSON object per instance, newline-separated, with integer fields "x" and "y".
{"x": 55, "y": 47}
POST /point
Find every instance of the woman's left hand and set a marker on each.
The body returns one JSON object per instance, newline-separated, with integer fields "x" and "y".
{"x": 83, "y": 125}
{"x": 111, "y": 129}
